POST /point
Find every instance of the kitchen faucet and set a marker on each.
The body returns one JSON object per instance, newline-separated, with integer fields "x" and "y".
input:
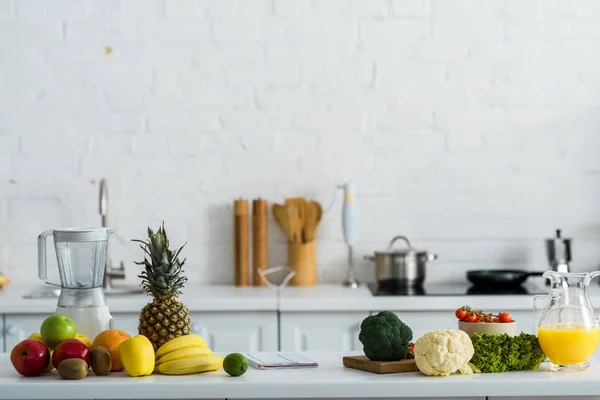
{"x": 110, "y": 272}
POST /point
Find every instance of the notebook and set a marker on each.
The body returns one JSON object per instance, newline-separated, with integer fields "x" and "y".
{"x": 279, "y": 360}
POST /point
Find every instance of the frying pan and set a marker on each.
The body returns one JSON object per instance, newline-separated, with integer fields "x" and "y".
{"x": 500, "y": 277}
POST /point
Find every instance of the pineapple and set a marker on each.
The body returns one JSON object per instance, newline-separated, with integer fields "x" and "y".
{"x": 164, "y": 318}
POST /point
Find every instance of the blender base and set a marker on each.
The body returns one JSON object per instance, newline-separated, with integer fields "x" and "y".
{"x": 89, "y": 321}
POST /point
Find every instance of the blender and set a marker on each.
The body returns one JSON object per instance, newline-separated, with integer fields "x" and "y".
{"x": 81, "y": 256}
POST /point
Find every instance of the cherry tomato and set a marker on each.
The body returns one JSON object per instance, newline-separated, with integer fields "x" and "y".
{"x": 504, "y": 317}
{"x": 496, "y": 319}
{"x": 472, "y": 318}
{"x": 460, "y": 314}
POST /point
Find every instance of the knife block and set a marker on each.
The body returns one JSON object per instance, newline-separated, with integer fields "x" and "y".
{"x": 302, "y": 258}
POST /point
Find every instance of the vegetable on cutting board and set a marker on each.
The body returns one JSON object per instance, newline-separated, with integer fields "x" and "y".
{"x": 467, "y": 314}
{"x": 443, "y": 352}
{"x": 385, "y": 337}
{"x": 500, "y": 353}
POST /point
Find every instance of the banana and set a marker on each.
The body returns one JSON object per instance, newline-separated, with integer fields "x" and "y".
{"x": 180, "y": 342}
{"x": 183, "y": 353}
{"x": 191, "y": 365}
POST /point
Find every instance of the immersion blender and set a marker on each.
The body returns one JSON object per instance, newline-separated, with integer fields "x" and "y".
{"x": 350, "y": 226}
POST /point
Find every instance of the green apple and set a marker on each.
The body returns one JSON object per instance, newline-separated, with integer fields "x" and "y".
{"x": 57, "y": 328}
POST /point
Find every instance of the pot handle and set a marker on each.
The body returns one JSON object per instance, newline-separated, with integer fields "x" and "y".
{"x": 400, "y": 238}
{"x": 431, "y": 256}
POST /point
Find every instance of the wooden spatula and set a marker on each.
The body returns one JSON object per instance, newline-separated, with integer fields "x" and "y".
{"x": 318, "y": 210}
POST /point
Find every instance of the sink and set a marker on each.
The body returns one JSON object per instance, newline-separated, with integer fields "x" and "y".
{"x": 52, "y": 292}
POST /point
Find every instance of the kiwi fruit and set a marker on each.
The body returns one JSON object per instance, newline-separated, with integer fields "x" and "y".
{"x": 73, "y": 368}
{"x": 100, "y": 360}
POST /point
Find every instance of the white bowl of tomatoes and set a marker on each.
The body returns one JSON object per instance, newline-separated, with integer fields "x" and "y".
{"x": 476, "y": 321}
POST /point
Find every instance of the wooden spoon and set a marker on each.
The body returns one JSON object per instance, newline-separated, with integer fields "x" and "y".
{"x": 281, "y": 217}
{"x": 318, "y": 210}
{"x": 295, "y": 221}
{"x": 310, "y": 223}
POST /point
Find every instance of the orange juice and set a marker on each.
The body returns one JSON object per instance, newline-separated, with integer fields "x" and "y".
{"x": 568, "y": 344}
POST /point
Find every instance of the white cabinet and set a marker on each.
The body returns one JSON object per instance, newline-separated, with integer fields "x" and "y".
{"x": 328, "y": 331}
{"x": 237, "y": 331}
{"x": 2, "y": 349}
{"x": 19, "y": 327}
{"x": 223, "y": 331}
{"x": 127, "y": 322}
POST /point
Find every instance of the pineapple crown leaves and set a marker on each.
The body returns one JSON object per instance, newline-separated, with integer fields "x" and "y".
{"x": 162, "y": 277}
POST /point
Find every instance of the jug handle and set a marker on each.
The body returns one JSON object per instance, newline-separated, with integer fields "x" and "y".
{"x": 42, "y": 264}
{"x": 591, "y": 276}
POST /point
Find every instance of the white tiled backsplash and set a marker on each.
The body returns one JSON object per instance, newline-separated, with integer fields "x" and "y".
{"x": 473, "y": 127}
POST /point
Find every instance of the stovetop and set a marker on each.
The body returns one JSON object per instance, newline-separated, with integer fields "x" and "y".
{"x": 457, "y": 289}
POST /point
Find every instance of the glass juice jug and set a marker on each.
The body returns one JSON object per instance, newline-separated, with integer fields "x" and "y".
{"x": 81, "y": 256}
{"x": 568, "y": 330}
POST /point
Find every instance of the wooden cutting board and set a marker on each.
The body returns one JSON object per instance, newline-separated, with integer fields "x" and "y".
{"x": 379, "y": 367}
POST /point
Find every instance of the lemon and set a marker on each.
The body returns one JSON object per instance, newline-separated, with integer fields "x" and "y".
{"x": 235, "y": 364}
{"x": 137, "y": 356}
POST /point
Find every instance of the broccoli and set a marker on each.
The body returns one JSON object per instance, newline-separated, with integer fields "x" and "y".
{"x": 500, "y": 353}
{"x": 385, "y": 337}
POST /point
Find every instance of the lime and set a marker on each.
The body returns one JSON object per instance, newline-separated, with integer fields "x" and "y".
{"x": 235, "y": 364}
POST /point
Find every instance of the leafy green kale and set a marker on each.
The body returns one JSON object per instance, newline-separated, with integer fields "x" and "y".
{"x": 500, "y": 353}
{"x": 385, "y": 337}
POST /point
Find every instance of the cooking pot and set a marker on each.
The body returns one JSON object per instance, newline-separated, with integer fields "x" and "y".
{"x": 400, "y": 267}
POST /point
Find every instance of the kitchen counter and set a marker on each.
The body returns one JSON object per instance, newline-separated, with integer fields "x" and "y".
{"x": 197, "y": 297}
{"x": 329, "y": 380}
{"x": 339, "y": 298}
{"x": 292, "y": 299}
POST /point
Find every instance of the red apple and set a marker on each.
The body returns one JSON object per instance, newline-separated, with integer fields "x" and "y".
{"x": 30, "y": 357}
{"x": 70, "y": 348}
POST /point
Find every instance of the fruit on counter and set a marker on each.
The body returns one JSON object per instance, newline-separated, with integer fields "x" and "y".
{"x": 235, "y": 364}
{"x": 30, "y": 357}
{"x": 164, "y": 318}
{"x": 500, "y": 353}
{"x": 84, "y": 339}
{"x": 72, "y": 368}
{"x": 57, "y": 328}
{"x": 443, "y": 352}
{"x": 137, "y": 356}
{"x": 100, "y": 361}
{"x": 385, "y": 337}
{"x": 183, "y": 353}
{"x": 191, "y": 365}
{"x": 70, "y": 348}
{"x": 111, "y": 339}
{"x": 37, "y": 336}
{"x": 467, "y": 314}
{"x": 181, "y": 342}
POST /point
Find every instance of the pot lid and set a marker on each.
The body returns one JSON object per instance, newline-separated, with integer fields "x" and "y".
{"x": 409, "y": 250}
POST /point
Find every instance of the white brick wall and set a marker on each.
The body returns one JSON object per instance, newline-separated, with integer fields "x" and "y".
{"x": 470, "y": 126}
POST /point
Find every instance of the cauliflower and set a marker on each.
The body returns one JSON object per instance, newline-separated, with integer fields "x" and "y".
{"x": 443, "y": 352}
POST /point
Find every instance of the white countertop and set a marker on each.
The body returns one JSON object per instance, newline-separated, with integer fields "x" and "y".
{"x": 329, "y": 380}
{"x": 196, "y": 297}
{"x": 328, "y": 297}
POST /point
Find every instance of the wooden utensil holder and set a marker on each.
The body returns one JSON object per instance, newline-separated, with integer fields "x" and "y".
{"x": 302, "y": 258}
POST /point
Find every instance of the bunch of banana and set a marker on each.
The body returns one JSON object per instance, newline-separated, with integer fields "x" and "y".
{"x": 184, "y": 355}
